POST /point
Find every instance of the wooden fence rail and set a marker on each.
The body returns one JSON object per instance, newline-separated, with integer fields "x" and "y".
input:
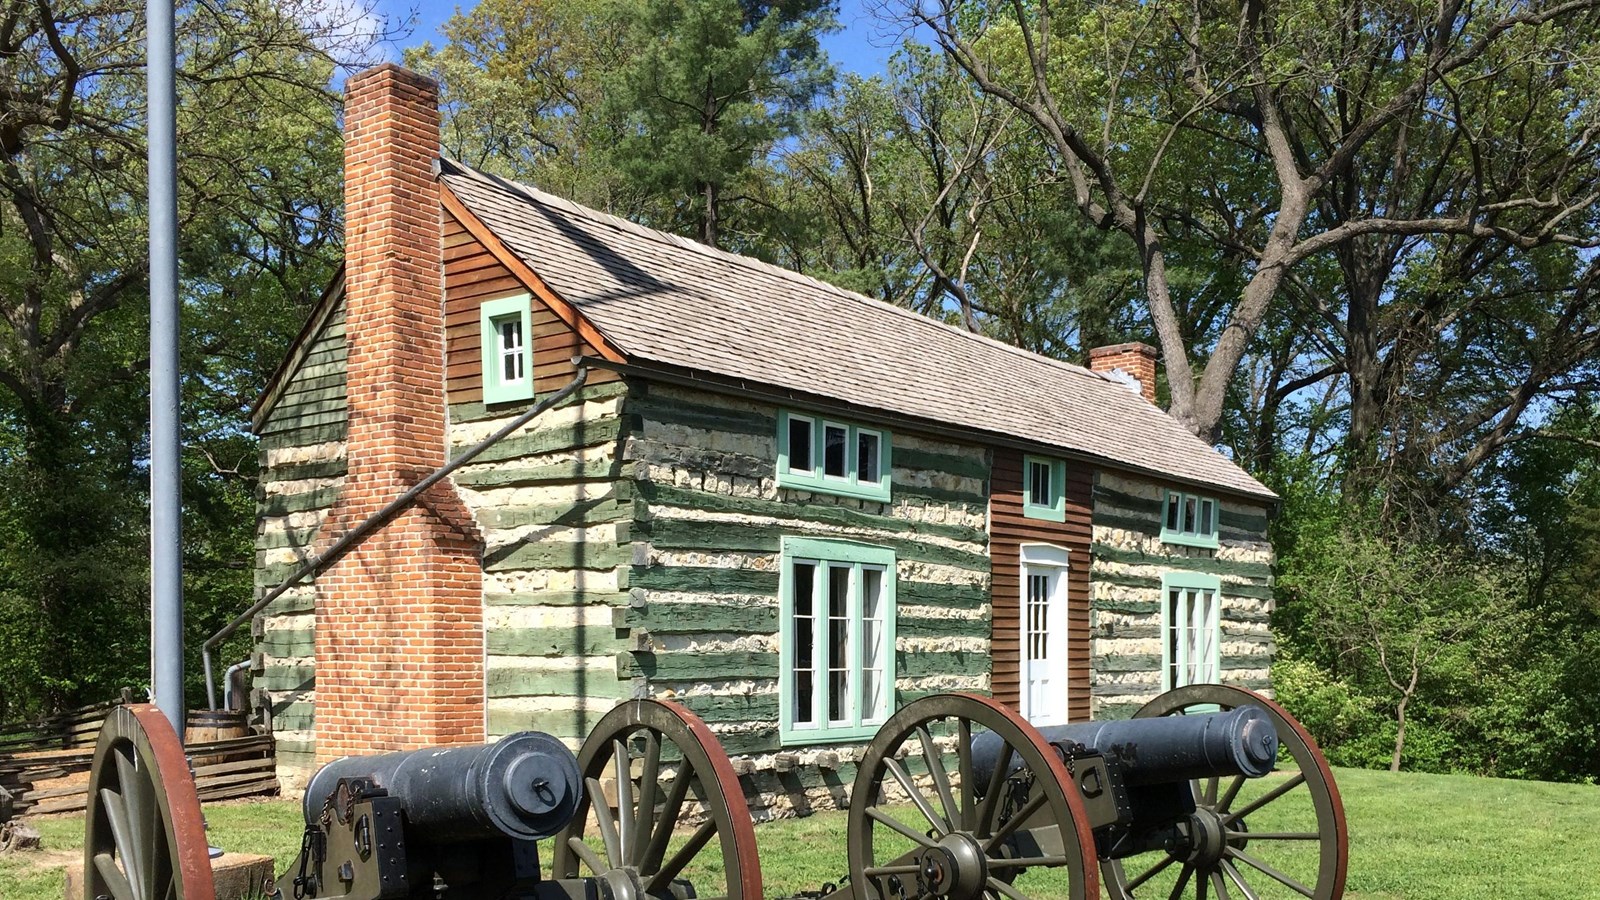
{"x": 45, "y": 764}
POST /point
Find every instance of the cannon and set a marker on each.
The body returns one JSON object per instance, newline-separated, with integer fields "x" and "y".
{"x": 1208, "y": 790}
{"x": 456, "y": 822}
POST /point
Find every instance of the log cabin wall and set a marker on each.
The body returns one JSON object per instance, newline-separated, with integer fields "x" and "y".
{"x": 554, "y": 504}
{"x": 703, "y": 621}
{"x": 302, "y": 458}
{"x": 1131, "y": 562}
{"x": 1009, "y": 529}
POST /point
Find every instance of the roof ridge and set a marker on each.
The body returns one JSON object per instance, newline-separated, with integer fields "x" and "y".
{"x": 541, "y": 196}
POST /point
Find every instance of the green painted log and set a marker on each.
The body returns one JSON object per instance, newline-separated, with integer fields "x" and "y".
{"x": 663, "y": 495}
{"x": 1126, "y": 662}
{"x": 704, "y": 418}
{"x": 1144, "y": 506}
{"x": 288, "y": 604}
{"x": 286, "y": 643}
{"x": 1127, "y": 607}
{"x": 1209, "y": 565}
{"x": 284, "y": 504}
{"x": 566, "y": 724}
{"x": 719, "y": 537}
{"x": 699, "y": 618}
{"x": 556, "y": 555}
{"x": 522, "y": 682}
{"x": 287, "y": 678}
{"x": 947, "y": 463}
{"x": 276, "y": 574}
{"x": 327, "y": 468}
{"x": 546, "y": 440}
{"x": 303, "y": 436}
{"x": 579, "y": 514}
{"x": 703, "y": 580}
{"x": 697, "y": 665}
{"x": 555, "y": 473}
{"x": 558, "y": 642}
{"x": 726, "y": 708}
{"x": 1253, "y": 590}
{"x": 303, "y": 422}
{"x": 557, "y": 598}
{"x": 916, "y": 664}
{"x": 1248, "y": 523}
{"x": 937, "y": 628}
{"x": 970, "y": 501}
{"x": 949, "y": 596}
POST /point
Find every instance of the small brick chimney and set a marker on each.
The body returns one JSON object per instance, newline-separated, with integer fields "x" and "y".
{"x": 399, "y": 620}
{"x": 1134, "y": 360}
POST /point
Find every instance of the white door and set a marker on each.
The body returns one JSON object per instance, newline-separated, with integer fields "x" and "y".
{"x": 1044, "y": 634}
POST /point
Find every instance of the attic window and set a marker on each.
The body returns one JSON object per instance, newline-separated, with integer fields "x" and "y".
{"x": 507, "y": 332}
{"x": 1189, "y": 519}
{"x": 832, "y": 457}
{"x": 1044, "y": 483}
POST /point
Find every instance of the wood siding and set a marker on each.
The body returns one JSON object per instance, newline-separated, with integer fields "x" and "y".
{"x": 1009, "y": 529}
{"x": 473, "y": 275}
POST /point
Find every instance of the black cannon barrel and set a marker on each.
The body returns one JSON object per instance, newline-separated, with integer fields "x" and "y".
{"x": 525, "y": 785}
{"x": 1161, "y": 750}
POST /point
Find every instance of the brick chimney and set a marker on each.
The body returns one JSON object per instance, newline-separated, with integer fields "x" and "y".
{"x": 399, "y": 620}
{"x": 1134, "y": 360}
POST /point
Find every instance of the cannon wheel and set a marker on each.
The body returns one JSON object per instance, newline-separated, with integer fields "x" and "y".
{"x": 653, "y": 804}
{"x": 965, "y": 851}
{"x": 1245, "y": 871}
{"x": 144, "y": 836}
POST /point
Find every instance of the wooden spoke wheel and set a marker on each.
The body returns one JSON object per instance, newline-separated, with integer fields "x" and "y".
{"x": 144, "y": 837}
{"x": 1279, "y": 836}
{"x": 675, "y": 791}
{"x": 940, "y": 834}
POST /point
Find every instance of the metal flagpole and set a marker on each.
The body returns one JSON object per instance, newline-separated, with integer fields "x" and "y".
{"x": 166, "y": 502}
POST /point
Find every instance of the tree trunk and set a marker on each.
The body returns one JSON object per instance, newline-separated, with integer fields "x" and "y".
{"x": 1400, "y": 732}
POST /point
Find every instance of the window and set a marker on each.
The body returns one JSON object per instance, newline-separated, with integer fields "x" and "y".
{"x": 507, "y": 358}
{"x": 1044, "y": 487}
{"x": 833, "y": 457}
{"x": 1189, "y": 519}
{"x": 1191, "y": 652}
{"x": 836, "y": 668}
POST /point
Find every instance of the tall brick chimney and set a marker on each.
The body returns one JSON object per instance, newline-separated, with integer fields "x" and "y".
{"x": 1135, "y": 360}
{"x": 399, "y": 620}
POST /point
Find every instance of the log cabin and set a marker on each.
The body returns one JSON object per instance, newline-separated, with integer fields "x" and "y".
{"x": 785, "y": 505}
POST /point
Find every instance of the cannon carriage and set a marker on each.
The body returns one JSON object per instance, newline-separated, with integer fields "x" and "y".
{"x": 1207, "y": 791}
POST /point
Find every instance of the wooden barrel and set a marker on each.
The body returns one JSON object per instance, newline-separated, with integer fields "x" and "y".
{"x": 208, "y": 725}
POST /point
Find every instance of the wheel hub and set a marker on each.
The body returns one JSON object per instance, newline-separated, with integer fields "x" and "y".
{"x": 620, "y": 884}
{"x": 955, "y": 868}
{"x": 1208, "y": 839}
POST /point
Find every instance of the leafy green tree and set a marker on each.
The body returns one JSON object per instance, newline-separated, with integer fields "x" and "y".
{"x": 259, "y": 220}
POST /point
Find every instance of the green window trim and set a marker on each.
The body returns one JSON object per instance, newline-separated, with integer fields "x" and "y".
{"x": 1175, "y": 506}
{"x": 826, "y": 555}
{"x": 492, "y": 316}
{"x": 813, "y": 477}
{"x": 1056, "y": 509}
{"x": 1185, "y": 584}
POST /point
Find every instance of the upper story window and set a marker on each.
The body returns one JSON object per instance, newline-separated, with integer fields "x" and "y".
{"x": 836, "y": 623}
{"x": 1189, "y": 519}
{"x": 507, "y": 349}
{"x": 1044, "y": 488}
{"x": 834, "y": 457}
{"x": 1191, "y": 652}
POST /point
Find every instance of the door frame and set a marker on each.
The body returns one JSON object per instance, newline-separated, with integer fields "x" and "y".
{"x": 1056, "y": 560}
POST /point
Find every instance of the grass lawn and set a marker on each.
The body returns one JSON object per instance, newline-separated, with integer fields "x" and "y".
{"x": 1431, "y": 837}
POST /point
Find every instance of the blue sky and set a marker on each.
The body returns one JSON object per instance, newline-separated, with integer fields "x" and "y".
{"x": 863, "y": 44}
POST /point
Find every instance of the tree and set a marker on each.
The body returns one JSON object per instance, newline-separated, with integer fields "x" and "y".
{"x": 1278, "y": 105}
{"x": 258, "y": 224}
{"x": 663, "y": 111}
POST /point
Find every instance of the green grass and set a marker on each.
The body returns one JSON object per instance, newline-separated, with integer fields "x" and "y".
{"x": 1430, "y": 837}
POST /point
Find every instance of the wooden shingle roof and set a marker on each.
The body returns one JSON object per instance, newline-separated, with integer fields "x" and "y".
{"x": 667, "y": 300}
